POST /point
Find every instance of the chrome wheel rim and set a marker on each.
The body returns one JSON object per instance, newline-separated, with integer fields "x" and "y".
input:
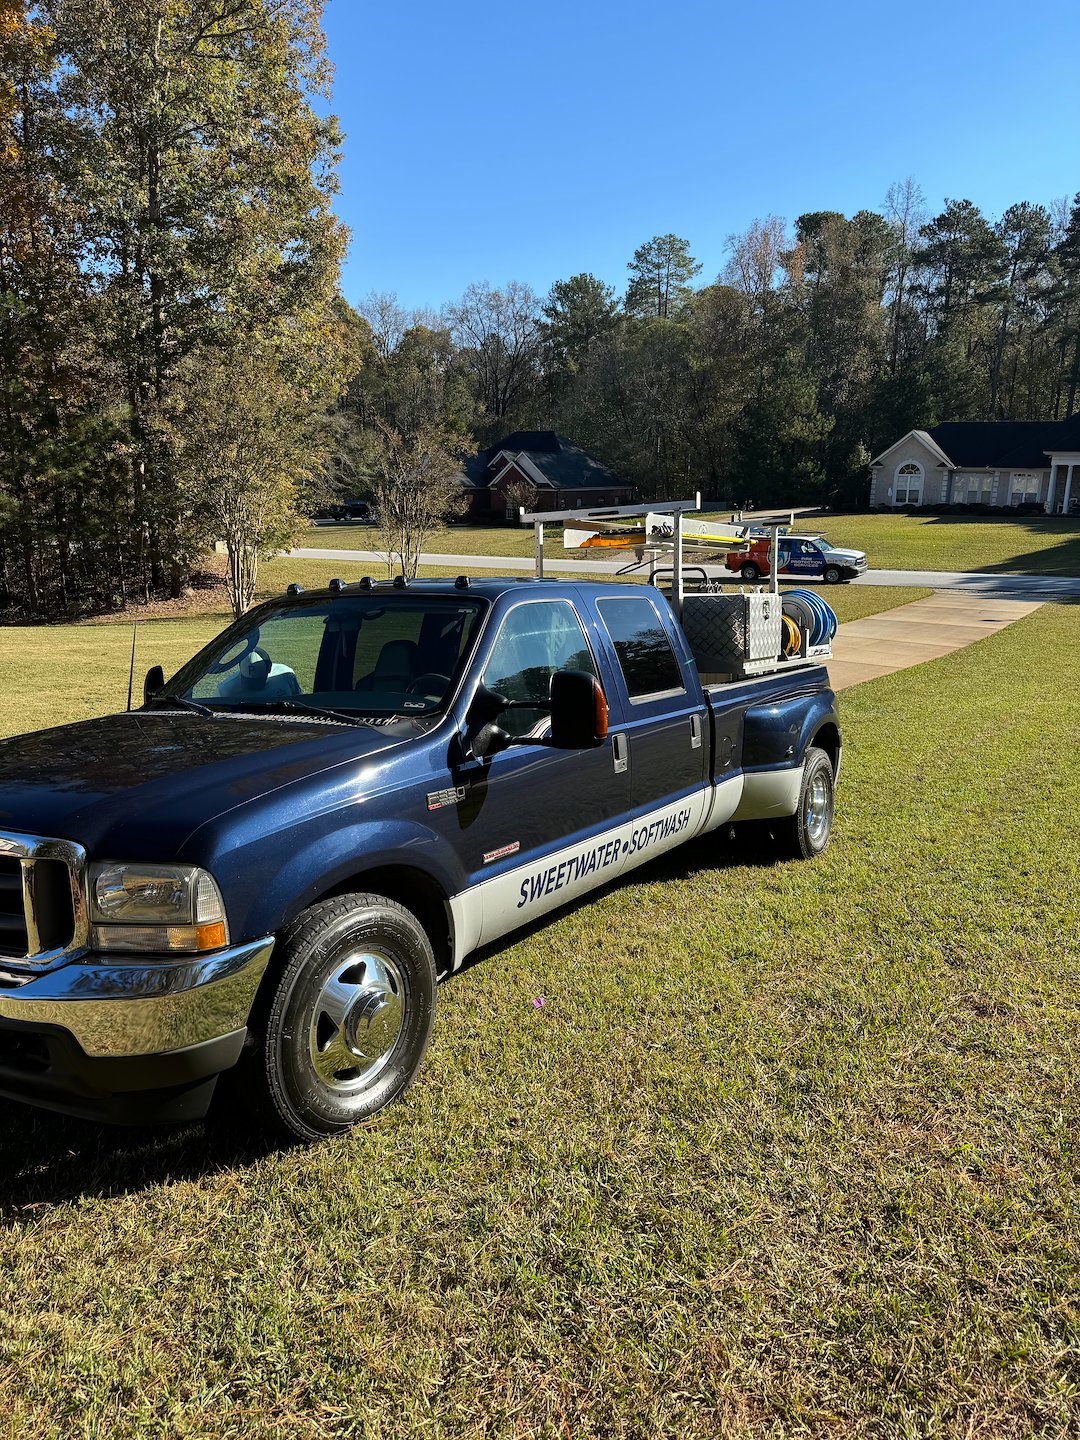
{"x": 818, "y": 805}
{"x": 356, "y": 1021}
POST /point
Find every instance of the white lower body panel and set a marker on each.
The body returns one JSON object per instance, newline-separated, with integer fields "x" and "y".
{"x": 769, "y": 793}
{"x": 494, "y": 907}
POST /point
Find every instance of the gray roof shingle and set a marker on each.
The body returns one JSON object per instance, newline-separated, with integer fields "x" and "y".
{"x": 564, "y": 465}
{"x": 1005, "y": 444}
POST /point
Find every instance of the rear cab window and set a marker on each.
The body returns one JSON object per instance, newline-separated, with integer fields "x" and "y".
{"x": 649, "y": 665}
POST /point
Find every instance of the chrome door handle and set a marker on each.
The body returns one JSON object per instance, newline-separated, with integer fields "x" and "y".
{"x": 695, "y": 732}
{"x": 620, "y": 753}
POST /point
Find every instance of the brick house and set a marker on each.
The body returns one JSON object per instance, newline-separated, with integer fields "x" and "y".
{"x": 542, "y": 471}
{"x": 984, "y": 462}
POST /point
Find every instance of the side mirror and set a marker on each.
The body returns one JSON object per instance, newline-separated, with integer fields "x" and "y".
{"x": 153, "y": 684}
{"x": 579, "y": 715}
{"x": 489, "y": 740}
{"x": 487, "y": 705}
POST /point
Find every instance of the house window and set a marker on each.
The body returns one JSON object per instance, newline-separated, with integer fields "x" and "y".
{"x": 972, "y": 489}
{"x": 1024, "y": 487}
{"x": 908, "y": 488}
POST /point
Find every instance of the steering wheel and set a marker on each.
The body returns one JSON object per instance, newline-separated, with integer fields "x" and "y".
{"x": 219, "y": 667}
{"x": 428, "y": 683}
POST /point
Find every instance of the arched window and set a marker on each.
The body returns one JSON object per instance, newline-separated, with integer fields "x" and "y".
{"x": 908, "y": 487}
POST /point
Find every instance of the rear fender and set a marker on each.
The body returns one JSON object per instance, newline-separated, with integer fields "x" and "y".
{"x": 779, "y": 734}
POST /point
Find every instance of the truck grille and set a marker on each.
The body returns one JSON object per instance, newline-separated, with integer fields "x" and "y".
{"x": 12, "y": 915}
{"x": 42, "y": 914}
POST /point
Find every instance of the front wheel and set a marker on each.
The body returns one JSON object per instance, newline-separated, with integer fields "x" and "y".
{"x": 350, "y": 1016}
{"x": 806, "y": 833}
{"x": 831, "y": 575}
{"x": 750, "y": 572}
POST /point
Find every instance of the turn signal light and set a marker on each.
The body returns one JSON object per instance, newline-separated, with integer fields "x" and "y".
{"x": 160, "y": 939}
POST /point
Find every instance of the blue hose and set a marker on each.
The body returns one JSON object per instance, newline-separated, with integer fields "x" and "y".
{"x": 825, "y": 621}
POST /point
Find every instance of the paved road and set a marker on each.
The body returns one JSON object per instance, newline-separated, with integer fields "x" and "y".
{"x": 1018, "y": 587}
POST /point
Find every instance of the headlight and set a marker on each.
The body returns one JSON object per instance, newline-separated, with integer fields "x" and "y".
{"x": 155, "y": 908}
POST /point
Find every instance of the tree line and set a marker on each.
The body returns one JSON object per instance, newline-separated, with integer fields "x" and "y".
{"x": 813, "y": 348}
{"x": 177, "y": 365}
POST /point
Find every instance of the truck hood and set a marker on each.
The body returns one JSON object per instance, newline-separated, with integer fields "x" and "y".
{"x": 847, "y": 557}
{"x": 149, "y": 778}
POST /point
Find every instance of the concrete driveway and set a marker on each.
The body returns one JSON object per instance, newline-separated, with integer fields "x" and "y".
{"x": 911, "y": 634}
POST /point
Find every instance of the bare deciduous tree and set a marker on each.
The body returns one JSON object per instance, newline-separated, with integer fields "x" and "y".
{"x": 756, "y": 263}
{"x": 500, "y": 337}
{"x": 387, "y": 321}
{"x": 416, "y": 485}
{"x": 905, "y": 211}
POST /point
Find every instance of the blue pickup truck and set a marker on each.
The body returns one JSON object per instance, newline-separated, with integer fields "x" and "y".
{"x": 248, "y": 889}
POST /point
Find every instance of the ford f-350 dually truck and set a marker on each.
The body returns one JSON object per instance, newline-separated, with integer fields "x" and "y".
{"x": 252, "y": 883}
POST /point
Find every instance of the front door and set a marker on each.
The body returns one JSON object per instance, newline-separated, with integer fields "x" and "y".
{"x": 805, "y": 558}
{"x": 532, "y": 823}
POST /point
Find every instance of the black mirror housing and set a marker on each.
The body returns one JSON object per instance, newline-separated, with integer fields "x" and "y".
{"x": 579, "y": 714}
{"x": 487, "y": 705}
{"x": 153, "y": 684}
{"x": 489, "y": 740}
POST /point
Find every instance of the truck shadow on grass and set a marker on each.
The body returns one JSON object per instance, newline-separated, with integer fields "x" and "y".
{"x": 49, "y": 1159}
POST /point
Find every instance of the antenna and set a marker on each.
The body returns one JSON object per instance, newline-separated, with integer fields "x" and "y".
{"x": 131, "y": 672}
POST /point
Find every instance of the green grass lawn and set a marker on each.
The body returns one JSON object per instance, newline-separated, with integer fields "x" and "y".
{"x": 789, "y": 1149}
{"x": 1031, "y": 544}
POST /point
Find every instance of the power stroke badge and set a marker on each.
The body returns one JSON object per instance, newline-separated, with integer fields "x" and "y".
{"x": 439, "y": 799}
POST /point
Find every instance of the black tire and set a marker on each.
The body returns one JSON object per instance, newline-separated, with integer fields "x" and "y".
{"x": 750, "y": 572}
{"x": 367, "y": 962}
{"x": 831, "y": 575}
{"x": 804, "y": 835}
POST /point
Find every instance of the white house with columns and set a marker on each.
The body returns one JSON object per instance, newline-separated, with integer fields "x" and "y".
{"x": 983, "y": 462}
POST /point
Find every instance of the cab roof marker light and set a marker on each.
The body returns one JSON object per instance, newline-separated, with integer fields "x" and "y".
{"x": 294, "y": 590}
{"x": 366, "y": 582}
{"x": 336, "y": 586}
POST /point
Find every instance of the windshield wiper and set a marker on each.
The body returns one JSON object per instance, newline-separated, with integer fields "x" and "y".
{"x": 294, "y": 707}
{"x": 161, "y": 701}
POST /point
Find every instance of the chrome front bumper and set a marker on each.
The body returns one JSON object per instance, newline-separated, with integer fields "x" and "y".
{"x": 118, "y": 1008}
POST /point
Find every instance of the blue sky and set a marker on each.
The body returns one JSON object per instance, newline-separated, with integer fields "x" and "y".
{"x": 497, "y": 141}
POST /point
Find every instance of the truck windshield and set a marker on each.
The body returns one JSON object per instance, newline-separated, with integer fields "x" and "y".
{"x": 374, "y": 654}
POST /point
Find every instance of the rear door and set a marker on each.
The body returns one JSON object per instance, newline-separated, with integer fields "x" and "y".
{"x": 665, "y": 730}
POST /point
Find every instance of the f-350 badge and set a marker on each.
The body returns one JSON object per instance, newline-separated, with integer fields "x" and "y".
{"x": 439, "y": 799}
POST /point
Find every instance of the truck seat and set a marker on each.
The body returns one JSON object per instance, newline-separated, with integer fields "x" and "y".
{"x": 398, "y": 663}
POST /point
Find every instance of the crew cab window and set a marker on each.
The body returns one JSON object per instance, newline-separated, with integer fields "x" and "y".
{"x": 646, "y": 658}
{"x": 535, "y": 640}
